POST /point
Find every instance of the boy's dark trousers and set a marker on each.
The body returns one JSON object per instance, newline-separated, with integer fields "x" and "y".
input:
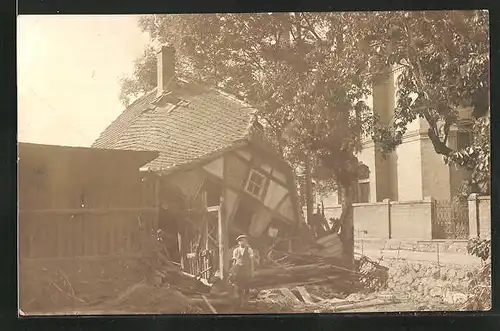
{"x": 242, "y": 295}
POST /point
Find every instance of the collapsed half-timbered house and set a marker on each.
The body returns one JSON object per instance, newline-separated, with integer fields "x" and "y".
{"x": 217, "y": 176}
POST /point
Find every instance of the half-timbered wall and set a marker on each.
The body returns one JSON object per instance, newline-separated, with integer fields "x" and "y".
{"x": 254, "y": 191}
{"x": 276, "y": 193}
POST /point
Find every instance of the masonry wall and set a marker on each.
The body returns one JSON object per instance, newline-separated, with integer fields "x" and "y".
{"x": 371, "y": 220}
{"x": 411, "y": 219}
{"x": 436, "y": 271}
{"x": 428, "y": 282}
{"x": 390, "y": 219}
{"x": 479, "y": 216}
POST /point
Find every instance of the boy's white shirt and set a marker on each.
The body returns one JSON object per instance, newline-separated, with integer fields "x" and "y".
{"x": 239, "y": 250}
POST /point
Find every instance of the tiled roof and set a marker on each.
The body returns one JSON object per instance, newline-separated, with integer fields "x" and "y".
{"x": 206, "y": 121}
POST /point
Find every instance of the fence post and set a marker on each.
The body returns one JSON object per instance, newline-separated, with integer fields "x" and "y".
{"x": 433, "y": 217}
{"x": 438, "y": 262}
{"x": 389, "y": 218}
{"x": 472, "y": 201}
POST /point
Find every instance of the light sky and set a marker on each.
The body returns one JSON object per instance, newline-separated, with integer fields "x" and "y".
{"x": 68, "y": 75}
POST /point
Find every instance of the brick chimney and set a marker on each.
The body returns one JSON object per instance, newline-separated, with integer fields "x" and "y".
{"x": 165, "y": 68}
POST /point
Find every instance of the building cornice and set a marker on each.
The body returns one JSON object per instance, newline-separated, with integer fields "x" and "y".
{"x": 409, "y": 136}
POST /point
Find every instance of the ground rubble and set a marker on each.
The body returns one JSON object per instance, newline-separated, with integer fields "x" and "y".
{"x": 301, "y": 282}
{"x": 289, "y": 282}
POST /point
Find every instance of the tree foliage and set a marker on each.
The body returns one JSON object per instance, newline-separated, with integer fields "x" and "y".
{"x": 479, "y": 288}
{"x": 443, "y": 59}
{"x": 143, "y": 79}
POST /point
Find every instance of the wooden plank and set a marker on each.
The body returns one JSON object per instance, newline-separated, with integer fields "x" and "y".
{"x": 305, "y": 295}
{"x": 364, "y": 304}
{"x": 81, "y": 238}
{"x": 73, "y": 236}
{"x": 31, "y": 232}
{"x": 221, "y": 234}
{"x": 222, "y": 229}
{"x": 212, "y": 309}
{"x": 181, "y": 250}
{"x": 86, "y": 258}
{"x": 157, "y": 201}
{"x": 111, "y": 237}
{"x": 68, "y": 237}
{"x": 59, "y": 238}
{"x": 89, "y": 211}
{"x": 213, "y": 209}
{"x": 95, "y": 235}
{"x": 289, "y": 294}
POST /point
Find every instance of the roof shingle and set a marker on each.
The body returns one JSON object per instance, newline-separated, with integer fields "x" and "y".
{"x": 207, "y": 121}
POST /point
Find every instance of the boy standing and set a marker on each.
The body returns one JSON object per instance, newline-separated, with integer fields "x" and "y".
{"x": 243, "y": 267}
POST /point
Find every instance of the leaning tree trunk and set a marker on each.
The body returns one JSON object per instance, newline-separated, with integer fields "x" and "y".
{"x": 347, "y": 222}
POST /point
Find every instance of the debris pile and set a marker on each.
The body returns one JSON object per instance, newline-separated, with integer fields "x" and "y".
{"x": 372, "y": 276}
{"x": 306, "y": 299}
{"x": 322, "y": 264}
{"x": 286, "y": 284}
{"x": 300, "y": 269}
{"x": 281, "y": 286}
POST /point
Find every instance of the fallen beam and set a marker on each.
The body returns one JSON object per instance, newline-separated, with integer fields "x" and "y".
{"x": 289, "y": 294}
{"x": 305, "y": 295}
{"x": 364, "y": 304}
{"x": 212, "y": 309}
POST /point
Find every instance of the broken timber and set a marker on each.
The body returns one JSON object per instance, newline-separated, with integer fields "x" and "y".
{"x": 304, "y": 294}
{"x": 289, "y": 294}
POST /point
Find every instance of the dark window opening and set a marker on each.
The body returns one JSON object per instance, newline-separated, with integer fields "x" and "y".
{"x": 214, "y": 193}
{"x": 363, "y": 189}
{"x": 363, "y": 192}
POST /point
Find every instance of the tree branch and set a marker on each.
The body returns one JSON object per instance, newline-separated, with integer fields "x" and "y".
{"x": 439, "y": 146}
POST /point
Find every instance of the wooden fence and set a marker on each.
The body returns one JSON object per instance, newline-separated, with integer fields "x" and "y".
{"x": 83, "y": 232}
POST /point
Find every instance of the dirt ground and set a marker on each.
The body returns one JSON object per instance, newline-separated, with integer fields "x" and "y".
{"x": 148, "y": 299}
{"x": 383, "y": 301}
{"x": 67, "y": 293}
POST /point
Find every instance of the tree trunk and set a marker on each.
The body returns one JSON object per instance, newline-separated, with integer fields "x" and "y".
{"x": 309, "y": 193}
{"x": 347, "y": 223}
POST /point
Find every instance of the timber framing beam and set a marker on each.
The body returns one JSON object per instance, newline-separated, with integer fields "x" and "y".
{"x": 241, "y": 191}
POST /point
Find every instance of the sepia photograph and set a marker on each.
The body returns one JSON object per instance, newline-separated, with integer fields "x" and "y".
{"x": 254, "y": 163}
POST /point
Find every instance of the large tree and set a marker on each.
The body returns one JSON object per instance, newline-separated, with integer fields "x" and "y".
{"x": 303, "y": 71}
{"x": 443, "y": 59}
